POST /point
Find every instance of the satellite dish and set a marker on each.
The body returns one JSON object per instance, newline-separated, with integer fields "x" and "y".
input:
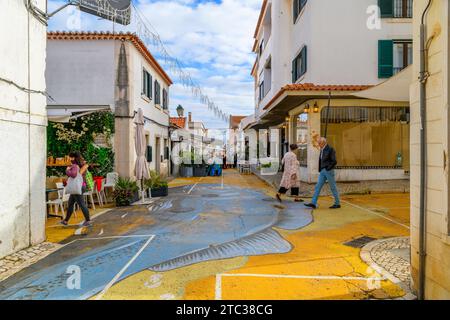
{"x": 118, "y": 11}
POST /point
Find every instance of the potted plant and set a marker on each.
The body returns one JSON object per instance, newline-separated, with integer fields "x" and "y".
{"x": 157, "y": 185}
{"x": 126, "y": 191}
{"x": 187, "y": 169}
{"x": 267, "y": 167}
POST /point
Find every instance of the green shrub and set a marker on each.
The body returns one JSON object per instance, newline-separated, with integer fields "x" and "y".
{"x": 125, "y": 191}
{"x": 156, "y": 181}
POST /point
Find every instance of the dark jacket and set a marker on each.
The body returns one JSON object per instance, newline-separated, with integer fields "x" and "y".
{"x": 328, "y": 159}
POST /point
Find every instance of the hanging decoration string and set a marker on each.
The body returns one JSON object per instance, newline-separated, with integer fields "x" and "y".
{"x": 173, "y": 64}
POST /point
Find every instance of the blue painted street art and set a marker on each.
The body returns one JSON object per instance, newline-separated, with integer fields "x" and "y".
{"x": 211, "y": 222}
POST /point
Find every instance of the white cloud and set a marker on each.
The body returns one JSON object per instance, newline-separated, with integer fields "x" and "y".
{"x": 212, "y": 39}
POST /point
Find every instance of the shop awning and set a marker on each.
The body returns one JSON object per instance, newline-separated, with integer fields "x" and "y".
{"x": 294, "y": 95}
{"x": 58, "y": 113}
{"x": 395, "y": 88}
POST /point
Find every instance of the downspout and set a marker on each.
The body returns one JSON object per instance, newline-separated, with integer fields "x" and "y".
{"x": 423, "y": 154}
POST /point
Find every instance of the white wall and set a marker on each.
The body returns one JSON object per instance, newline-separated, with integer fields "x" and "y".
{"x": 22, "y": 128}
{"x": 148, "y": 106}
{"x": 341, "y": 49}
{"x": 81, "y": 72}
{"x": 84, "y": 72}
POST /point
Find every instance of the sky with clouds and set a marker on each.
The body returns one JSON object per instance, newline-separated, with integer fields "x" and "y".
{"x": 212, "y": 38}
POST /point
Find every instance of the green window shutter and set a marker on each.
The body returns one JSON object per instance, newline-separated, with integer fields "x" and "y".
{"x": 294, "y": 70}
{"x": 295, "y": 10}
{"x": 149, "y": 84}
{"x": 385, "y": 58}
{"x": 386, "y": 8}
{"x": 149, "y": 154}
{"x": 303, "y": 55}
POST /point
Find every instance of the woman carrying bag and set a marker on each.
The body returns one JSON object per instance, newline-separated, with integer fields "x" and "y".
{"x": 291, "y": 177}
{"x": 76, "y": 186}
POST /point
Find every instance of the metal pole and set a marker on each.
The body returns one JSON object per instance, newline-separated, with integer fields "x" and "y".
{"x": 423, "y": 156}
{"x": 328, "y": 115}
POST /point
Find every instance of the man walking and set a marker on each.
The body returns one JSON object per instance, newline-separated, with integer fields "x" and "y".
{"x": 327, "y": 163}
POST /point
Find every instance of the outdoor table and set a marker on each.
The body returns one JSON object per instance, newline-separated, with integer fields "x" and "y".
{"x": 47, "y": 192}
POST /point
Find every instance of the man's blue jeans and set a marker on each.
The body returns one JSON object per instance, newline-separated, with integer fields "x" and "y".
{"x": 325, "y": 176}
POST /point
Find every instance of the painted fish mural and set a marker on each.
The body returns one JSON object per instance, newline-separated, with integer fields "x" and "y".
{"x": 213, "y": 222}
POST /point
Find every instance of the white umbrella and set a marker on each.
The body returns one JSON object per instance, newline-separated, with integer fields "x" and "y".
{"x": 141, "y": 167}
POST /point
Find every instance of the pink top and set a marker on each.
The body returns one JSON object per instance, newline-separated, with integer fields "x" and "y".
{"x": 73, "y": 170}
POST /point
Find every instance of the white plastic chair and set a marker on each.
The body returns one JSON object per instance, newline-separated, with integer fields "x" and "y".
{"x": 111, "y": 179}
{"x": 89, "y": 195}
{"x": 61, "y": 200}
{"x": 101, "y": 196}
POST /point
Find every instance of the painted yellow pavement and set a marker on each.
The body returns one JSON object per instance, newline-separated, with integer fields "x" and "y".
{"x": 319, "y": 266}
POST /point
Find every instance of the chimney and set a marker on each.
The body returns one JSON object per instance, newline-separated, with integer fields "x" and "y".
{"x": 190, "y": 117}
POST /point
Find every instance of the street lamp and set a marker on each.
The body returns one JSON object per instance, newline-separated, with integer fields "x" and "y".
{"x": 307, "y": 108}
{"x": 316, "y": 107}
{"x": 180, "y": 111}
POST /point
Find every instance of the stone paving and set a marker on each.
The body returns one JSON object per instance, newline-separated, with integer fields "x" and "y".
{"x": 13, "y": 263}
{"x": 391, "y": 258}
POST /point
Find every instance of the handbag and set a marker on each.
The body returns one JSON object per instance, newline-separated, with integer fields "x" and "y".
{"x": 75, "y": 185}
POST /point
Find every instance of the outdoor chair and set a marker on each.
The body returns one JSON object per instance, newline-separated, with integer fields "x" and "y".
{"x": 111, "y": 179}
{"x": 89, "y": 195}
{"x": 62, "y": 199}
{"x": 101, "y": 195}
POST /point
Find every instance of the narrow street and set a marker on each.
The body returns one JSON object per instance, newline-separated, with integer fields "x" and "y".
{"x": 219, "y": 238}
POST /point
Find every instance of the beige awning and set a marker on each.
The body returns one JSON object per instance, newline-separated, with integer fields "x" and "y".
{"x": 395, "y": 88}
{"x": 66, "y": 113}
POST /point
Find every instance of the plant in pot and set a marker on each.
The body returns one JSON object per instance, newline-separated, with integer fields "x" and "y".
{"x": 186, "y": 168}
{"x": 267, "y": 168}
{"x": 157, "y": 185}
{"x": 200, "y": 168}
{"x": 126, "y": 191}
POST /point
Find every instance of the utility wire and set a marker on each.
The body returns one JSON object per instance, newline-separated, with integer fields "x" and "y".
{"x": 10, "y": 82}
{"x": 178, "y": 66}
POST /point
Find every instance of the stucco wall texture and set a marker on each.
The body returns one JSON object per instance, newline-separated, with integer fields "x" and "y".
{"x": 437, "y": 284}
{"x": 22, "y": 128}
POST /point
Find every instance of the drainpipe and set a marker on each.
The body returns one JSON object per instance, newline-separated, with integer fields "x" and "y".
{"x": 423, "y": 155}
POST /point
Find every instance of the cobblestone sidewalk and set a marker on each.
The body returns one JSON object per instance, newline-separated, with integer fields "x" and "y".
{"x": 12, "y": 264}
{"x": 391, "y": 258}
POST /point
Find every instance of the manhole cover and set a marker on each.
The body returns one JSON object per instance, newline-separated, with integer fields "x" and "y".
{"x": 210, "y": 195}
{"x": 181, "y": 210}
{"x": 359, "y": 242}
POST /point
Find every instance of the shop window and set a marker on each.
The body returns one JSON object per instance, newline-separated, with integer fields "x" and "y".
{"x": 372, "y": 137}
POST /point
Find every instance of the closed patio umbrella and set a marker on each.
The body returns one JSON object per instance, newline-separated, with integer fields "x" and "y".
{"x": 141, "y": 167}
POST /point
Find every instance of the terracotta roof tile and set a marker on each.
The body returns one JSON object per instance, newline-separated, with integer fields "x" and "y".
{"x": 132, "y": 37}
{"x": 235, "y": 121}
{"x": 179, "y": 122}
{"x": 313, "y": 87}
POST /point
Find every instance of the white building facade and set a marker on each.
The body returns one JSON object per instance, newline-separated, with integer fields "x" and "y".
{"x": 116, "y": 71}
{"x": 22, "y": 127}
{"x": 305, "y": 52}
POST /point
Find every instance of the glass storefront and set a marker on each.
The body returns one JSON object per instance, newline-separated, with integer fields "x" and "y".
{"x": 372, "y": 137}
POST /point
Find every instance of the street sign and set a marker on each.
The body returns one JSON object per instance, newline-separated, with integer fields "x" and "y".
{"x": 115, "y": 10}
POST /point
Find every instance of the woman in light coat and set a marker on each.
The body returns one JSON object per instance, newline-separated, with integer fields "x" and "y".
{"x": 291, "y": 179}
